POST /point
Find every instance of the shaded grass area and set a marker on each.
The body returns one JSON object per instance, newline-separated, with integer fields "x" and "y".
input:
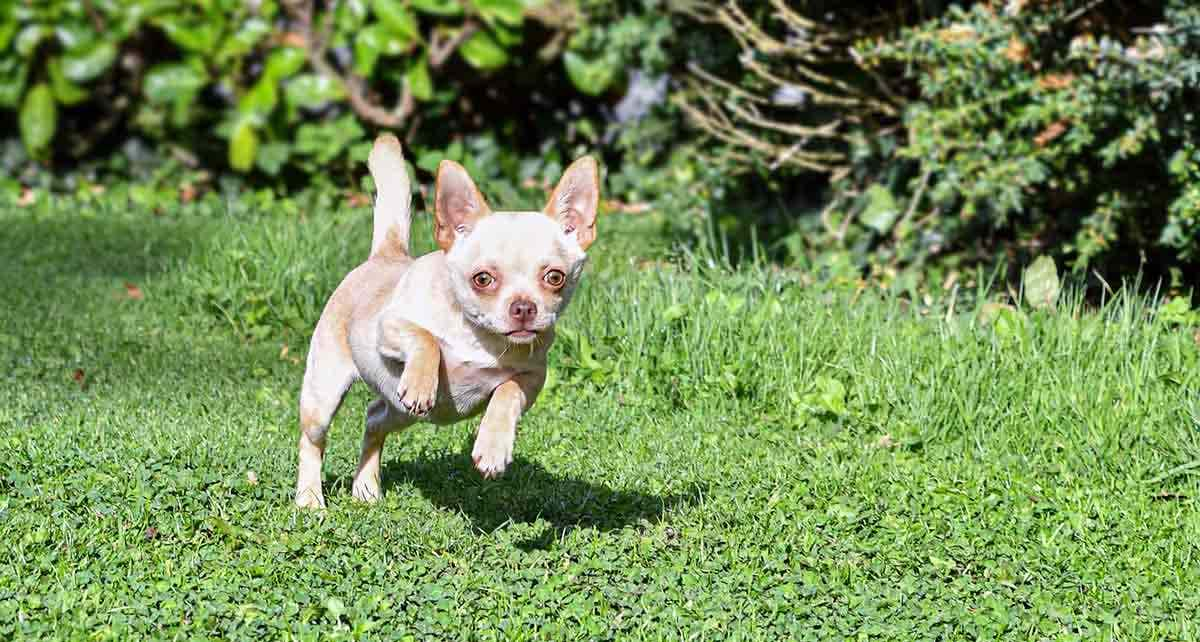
{"x": 720, "y": 454}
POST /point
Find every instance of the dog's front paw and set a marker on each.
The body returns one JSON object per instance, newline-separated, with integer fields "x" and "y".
{"x": 418, "y": 389}
{"x": 493, "y": 452}
{"x": 310, "y": 497}
{"x": 366, "y": 489}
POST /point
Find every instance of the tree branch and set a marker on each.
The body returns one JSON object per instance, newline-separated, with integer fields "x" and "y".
{"x": 439, "y": 53}
{"x": 315, "y": 46}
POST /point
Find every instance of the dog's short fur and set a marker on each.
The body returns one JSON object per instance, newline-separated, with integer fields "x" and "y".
{"x": 443, "y": 336}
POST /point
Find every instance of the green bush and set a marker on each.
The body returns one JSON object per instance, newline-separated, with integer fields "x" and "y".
{"x": 1057, "y": 127}
{"x": 948, "y": 136}
{"x": 273, "y": 85}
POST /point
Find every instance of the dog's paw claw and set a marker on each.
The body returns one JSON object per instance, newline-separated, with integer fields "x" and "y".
{"x": 366, "y": 491}
{"x": 492, "y": 455}
{"x": 417, "y": 394}
{"x": 310, "y": 498}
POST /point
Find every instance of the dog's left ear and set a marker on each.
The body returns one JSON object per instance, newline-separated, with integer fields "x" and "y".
{"x": 576, "y": 199}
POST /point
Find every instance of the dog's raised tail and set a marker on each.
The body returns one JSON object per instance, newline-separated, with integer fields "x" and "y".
{"x": 393, "y": 198}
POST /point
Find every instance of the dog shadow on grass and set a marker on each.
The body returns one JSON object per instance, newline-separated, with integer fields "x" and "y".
{"x": 528, "y": 492}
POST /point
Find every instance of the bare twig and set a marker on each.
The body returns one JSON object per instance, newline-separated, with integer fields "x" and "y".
{"x": 1071, "y": 17}
{"x": 753, "y": 120}
{"x": 94, "y": 16}
{"x": 912, "y": 204}
{"x": 301, "y": 12}
{"x": 723, "y": 84}
{"x": 440, "y": 52}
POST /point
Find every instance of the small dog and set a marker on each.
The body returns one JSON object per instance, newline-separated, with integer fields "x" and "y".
{"x": 442, "y": 337}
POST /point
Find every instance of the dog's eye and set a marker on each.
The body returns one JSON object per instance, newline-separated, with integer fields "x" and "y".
{"x": 483, "y": 280}
{"x": 555, "y": 278}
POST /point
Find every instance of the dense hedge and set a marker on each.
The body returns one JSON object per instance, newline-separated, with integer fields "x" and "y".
{"x": 905, "y": 141}
{"x": 953, "y": 135}
{"x": 266, "y": 86}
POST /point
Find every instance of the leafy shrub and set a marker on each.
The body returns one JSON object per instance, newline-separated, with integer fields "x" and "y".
{"x": 1057, "y": 126}
{"x": 271, "y": 85}
{"x": 1024, "y": 127}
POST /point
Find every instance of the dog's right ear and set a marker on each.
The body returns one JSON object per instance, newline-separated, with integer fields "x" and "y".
{"x": 458, "y": 205}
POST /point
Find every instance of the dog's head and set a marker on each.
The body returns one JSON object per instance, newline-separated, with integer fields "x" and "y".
{"x": 513, "y": 273}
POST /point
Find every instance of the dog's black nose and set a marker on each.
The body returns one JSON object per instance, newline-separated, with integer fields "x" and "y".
{"x": 522, "y": 310}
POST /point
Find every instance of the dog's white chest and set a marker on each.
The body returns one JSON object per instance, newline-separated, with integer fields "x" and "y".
{"x": 470, "y": 381}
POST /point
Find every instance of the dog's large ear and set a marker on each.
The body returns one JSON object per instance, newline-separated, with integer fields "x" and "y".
{"x": 576, "y": 199}
{"x": 458, "y": 205}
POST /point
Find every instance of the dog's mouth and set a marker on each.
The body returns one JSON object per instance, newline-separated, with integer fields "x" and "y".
{"x": 521, "y": 336}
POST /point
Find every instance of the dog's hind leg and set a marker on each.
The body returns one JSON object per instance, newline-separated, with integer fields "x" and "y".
{"x": 381, "y": 420}
{"x": 327, "y": 377}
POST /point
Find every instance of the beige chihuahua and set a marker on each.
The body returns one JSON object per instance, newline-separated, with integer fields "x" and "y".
{"x": 450, "y": 334}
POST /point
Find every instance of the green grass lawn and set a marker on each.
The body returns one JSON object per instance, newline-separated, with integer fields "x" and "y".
{"x": 720, "y": 455}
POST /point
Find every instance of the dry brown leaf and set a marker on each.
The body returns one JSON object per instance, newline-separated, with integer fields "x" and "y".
{"x": 626, "y": 208}
{"x": 80, "y": 378}
{"x": 652, "y": 264}
{"x": 1054, "y": 82}
{"x": 956, "y": 33}
{"x": 293, "y": 39}
{"x": 188, "y": 193}
{"x": 134, "y": 292}
{"x": 1016, "y": 50}
{"x": 1055, "y": 130}
{"x": 151, "y": 533}
{"x": 283, "y": 351}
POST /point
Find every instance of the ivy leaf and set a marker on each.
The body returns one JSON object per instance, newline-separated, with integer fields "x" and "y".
{"x": 38, "y": 118}
{"x": 197, "y": 37}
{"x": 243, "y": 146}
{"x": 419, "y": 81}
{"x": 506, "y": 11}
{"x": 368, "y": 45}
{"x": 74, "y": 35}
{"x": 284, "y": 62}
{"x": 482, "y": 52}
{"x": 881, "y": 211}
{"x": 1040, "y": 283}
{"x": 272, "y": 156}
{"x": 86, "y": 64}
{"x": 65, "y": 91}
{"x": 324, "y": 141}
{"x": 244, "y": 39}
{"x": 399, "y": 21}
{"x": 507, "y": 36}
{"x": 12, "y": 80}
{"x": 29, "y": 38}
{"x": 169, "y": 82}
{"x": 438, "y": 7}
{"x": 8, "y": 28}
{"x": 312, "y": 90}
{"x": 591, "y": 77}
{"x": 258, "y": 103}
